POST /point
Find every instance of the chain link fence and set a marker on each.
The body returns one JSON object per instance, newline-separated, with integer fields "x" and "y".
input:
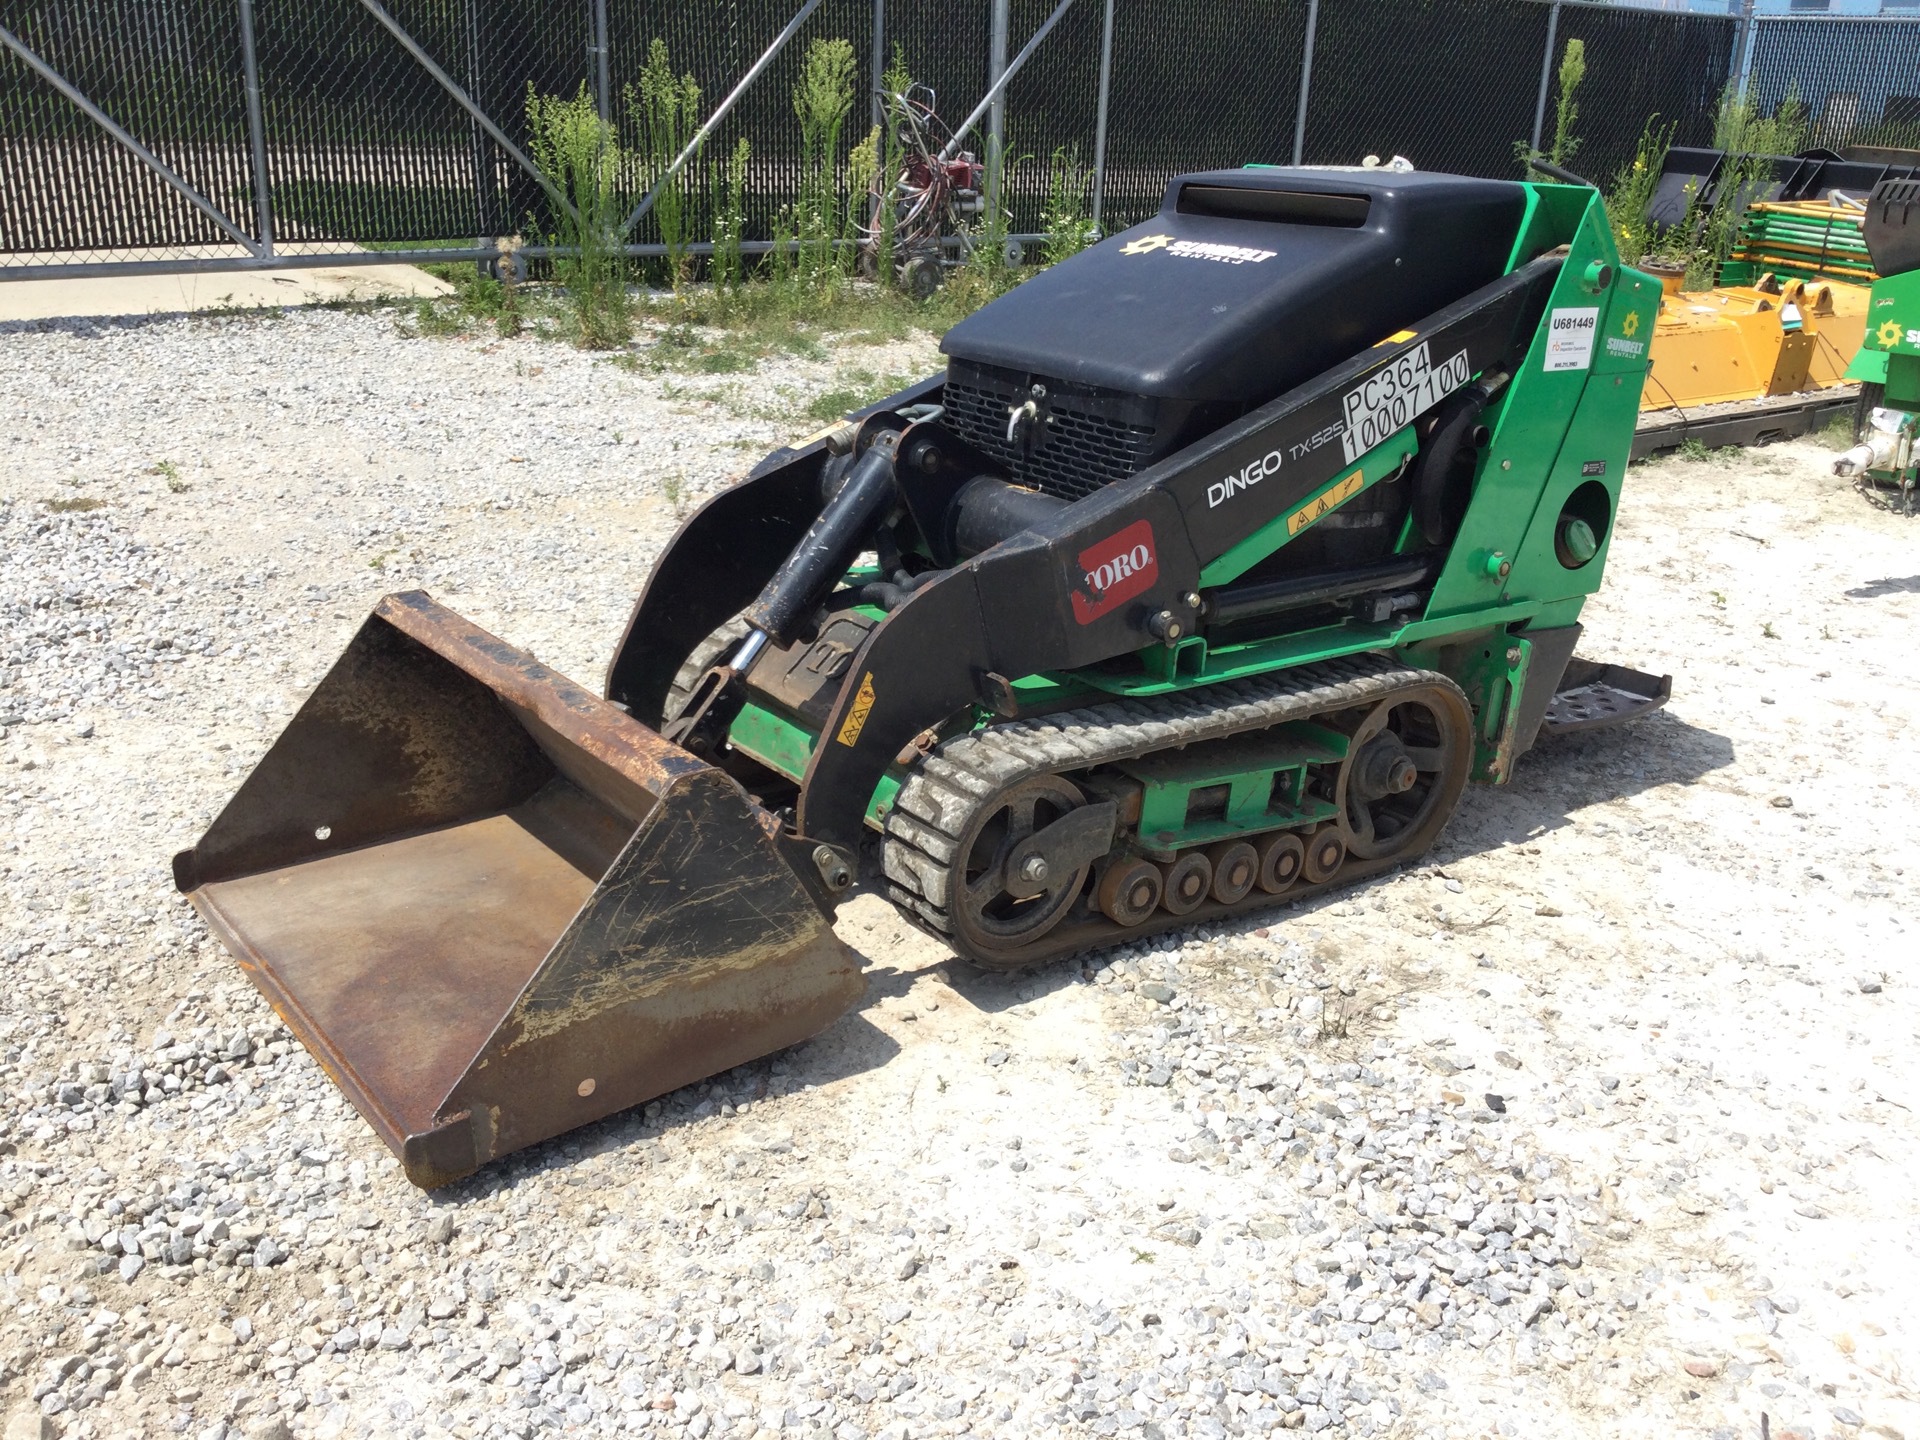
{"x": 246, "y": 133}
{"x": 1860, "y": 79}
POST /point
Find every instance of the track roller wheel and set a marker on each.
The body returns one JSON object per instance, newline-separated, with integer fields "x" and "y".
{"x": 1236, "y": 866}
{"x": 1188, "y": 879}
{"x": 1282, "y": 854}
{"x": 1130, "y": 890}
{"x": 1326, "y": 848}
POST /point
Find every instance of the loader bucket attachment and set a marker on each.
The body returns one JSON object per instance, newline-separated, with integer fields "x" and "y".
{"x": 496, "y": 908}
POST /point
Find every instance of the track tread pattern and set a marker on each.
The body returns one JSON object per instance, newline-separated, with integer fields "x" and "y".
{"x": 940, "y": 797}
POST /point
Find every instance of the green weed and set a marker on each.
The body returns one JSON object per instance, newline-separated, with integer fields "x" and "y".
{"x": 75, "y": 504}
{"x": 669, "y": 109}
{"x": 821, "y": 101}
{"x": 1636, "y": 236}
{"x": 580, "y": 156}
{"x": 863, "y": 387}
{"x": 1837, "y": 434}
{"x": 1069, "y": 226}
{"x": 1573, "y": 69}
{"x": 727, "y": 268}
{"x": 169, "y": 472}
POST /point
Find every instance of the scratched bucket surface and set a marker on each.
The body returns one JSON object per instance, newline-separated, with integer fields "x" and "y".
{"x": 496, "y": 908}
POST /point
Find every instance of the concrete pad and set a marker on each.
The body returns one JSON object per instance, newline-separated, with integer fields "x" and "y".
{"x": 112, "y": 295}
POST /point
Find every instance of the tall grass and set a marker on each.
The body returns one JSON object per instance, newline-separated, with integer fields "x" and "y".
{"x": 1069, "y": 226}
{"x": 822, "y": 101}
{"x": 728, "y": 269}
{"x": 1746, "y": 136}
{"x": 1633, "y": 189}
{"x": 668, "y": 108}
{"x": 1566, "y": 111}
{"x": 580, "y": 155}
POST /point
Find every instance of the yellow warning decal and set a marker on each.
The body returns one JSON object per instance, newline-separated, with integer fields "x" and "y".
{"x": 1329, "y": 500}
{"x": 1396, "y": 337}
{"x": 856, "y": 720}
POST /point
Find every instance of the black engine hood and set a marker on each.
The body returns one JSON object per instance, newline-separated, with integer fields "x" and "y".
{"x": 1249, "y": 282}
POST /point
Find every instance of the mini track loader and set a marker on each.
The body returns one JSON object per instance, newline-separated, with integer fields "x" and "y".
{"x": 1219, "y": 560}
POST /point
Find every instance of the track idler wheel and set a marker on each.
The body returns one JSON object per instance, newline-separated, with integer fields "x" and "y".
{"x": 1130, "y": 890}
{"x": 1407, "y": 764}
{"x": 1326, "y": 850}
{"x": 1236, "y": 866}
{"x": 1188, "y": 879}
{"x": 1282, "y": 856}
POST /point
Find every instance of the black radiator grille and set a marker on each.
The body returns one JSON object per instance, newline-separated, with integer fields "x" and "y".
{"x": 1083, "y": 446}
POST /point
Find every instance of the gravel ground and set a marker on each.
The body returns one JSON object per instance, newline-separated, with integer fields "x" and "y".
{"x": 1600, "y": 1123}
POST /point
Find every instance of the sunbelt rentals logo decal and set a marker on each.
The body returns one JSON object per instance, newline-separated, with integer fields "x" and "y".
{"x": 1891, "y": 333}
{"x": 1196, "y": 250}
{"x": 1624, "y": 345}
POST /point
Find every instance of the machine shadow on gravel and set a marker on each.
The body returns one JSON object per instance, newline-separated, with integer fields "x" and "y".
{"x": 1562, "y": 776}
{"x": 1875, "y": 589}
{"x": 852, "y": 1046}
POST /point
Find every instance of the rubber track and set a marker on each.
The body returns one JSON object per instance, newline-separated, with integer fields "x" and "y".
{"x": 944, "y": 791}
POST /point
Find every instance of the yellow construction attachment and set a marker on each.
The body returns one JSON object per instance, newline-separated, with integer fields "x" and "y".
{"x": 1745, "y": 342}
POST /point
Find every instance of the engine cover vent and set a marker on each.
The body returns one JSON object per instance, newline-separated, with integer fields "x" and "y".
{"x": 1091, "y": 437}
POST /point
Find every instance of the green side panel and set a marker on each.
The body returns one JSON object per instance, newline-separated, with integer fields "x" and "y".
{"x": 1552, "y": 216}
{"x": 1235, "y": 662}
{"x": 1893, "y": 327}
{"x": 1560, "y": 612}
{"x": 1556, "y": 428}
{"x": 1033, "y": 692}
{"x": 772, "y": 739}
{"x": 1903, "y": 382}
{"x": 784, "y": 747}
{"x": 1490, "y": 665}
{"x": 1383, "y": 460}
{"x": 1265, "y": 779}
{"x": 1869, "y": 367}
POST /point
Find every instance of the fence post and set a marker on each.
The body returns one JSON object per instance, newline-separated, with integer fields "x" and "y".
{"x": 997, "y": 115}
{"x": 1546, "y": 75}
{"x": 1743, "y": 52}
{"x": 1306, "y": 83}
{"x": 483, "y": 180}
{"x": 602, "y": 77}
{"x": 879, "y": 62}
{"x": 256, "y": 129}
{"x": 1100, "y": 116}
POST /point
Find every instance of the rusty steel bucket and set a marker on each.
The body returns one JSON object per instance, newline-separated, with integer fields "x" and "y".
{"x": 496, "y": 908}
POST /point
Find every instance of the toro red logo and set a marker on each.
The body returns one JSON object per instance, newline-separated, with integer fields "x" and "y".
{"x": 1114, "y": 571}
